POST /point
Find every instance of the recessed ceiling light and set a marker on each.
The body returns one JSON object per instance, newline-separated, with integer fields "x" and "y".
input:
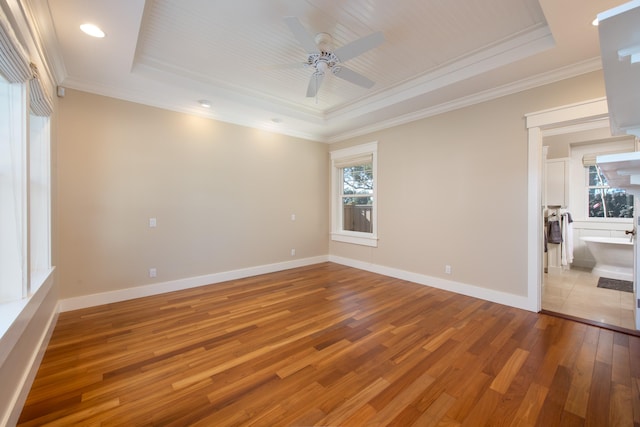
{"x": 205, "y": 103}
{"x": 92, "y": 30}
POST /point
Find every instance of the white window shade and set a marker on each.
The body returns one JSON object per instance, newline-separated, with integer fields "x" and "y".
{"x": 14, "y": 62}
{"x": 39, "y": 100}
{"x": 589, "y": 159}
{"x": 360, "y": 159}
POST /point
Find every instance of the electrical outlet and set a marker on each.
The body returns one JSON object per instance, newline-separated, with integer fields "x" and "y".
{"x": 447, "y": 269}
{"x": 293, "y": 252}
{"x": 153, "y": 223}
{"x": 293, "y": 217}
{"x": 152, "y": 272}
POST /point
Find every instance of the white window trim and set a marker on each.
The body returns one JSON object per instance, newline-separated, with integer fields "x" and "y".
{"x": 337, "y": 233}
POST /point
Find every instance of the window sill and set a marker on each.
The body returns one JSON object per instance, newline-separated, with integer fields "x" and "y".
{"x": 356, "y": 239}
{"x": 605, "y": 220}
{"x": 10, "y": 311}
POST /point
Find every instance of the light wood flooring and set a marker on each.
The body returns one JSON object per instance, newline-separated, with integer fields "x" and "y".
{"x": 334, "y": 346}
{"x": 575, "y": 292}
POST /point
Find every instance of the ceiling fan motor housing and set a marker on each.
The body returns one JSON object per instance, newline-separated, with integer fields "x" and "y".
{"x": 323, "y": 61}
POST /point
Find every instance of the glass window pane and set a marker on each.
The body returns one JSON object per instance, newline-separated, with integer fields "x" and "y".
{"x": 40, "y": 195}
{"x": 596, "y": 178}
{"x": 11, "y": 191}
{"x": 610, "y": 203}
{"x": 357, "y": 179}
{"x": 357, "y": 214}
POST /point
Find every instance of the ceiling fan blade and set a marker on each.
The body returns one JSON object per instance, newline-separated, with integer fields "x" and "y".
{"x": 353, "y": 77}
{"x": 314, "y": 85}
{"x": 301, "y": 34}
{"x": 284, "y": 66}
{"x": 357, "y": 47}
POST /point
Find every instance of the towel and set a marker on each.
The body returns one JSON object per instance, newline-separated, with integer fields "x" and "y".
{"x": 567, "y": 238}
{"x": 554, "y": 233}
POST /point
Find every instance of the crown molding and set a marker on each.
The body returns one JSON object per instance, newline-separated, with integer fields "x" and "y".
{"x": 45, "y": 34}
{"x": 507, "y": 52}
{"x": 563, "y": 73}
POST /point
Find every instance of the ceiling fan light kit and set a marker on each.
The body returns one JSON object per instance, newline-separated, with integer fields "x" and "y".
{"x": 322, "y": 59}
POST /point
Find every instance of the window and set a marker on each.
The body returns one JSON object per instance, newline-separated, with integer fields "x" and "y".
{"x": 604, "y": 201}
{"x": 12, "y": 190}
{"x": 39, "y": 195}
{"x": 354, "y": 200}
{"x": 25, "y": 193}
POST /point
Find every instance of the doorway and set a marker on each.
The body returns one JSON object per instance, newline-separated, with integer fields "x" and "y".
{"x": 568, "y": 284}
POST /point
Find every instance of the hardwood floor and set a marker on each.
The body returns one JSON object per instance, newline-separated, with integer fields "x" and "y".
{"x": 330, "y": 345}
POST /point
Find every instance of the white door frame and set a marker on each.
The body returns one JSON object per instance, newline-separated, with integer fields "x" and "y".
{"x": 536, "y": 123}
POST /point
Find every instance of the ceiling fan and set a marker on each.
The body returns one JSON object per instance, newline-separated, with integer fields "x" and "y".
{"x": 322, "y": 59}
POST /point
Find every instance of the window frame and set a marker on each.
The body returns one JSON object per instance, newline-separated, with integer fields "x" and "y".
{"x": 338, "y": 234}
{"x": 32, "y": 202}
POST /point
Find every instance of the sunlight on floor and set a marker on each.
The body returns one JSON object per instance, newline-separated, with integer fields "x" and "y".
{"x": 575, "y": 292}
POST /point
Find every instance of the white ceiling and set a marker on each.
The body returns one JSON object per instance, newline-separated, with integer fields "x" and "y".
{"x": 437, "y": 55}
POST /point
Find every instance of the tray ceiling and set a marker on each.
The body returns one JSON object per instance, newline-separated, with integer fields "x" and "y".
{"x": 437, "y": 54}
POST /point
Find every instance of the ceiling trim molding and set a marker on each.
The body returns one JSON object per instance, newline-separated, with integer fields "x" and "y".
{"x": 584, "y": 67}
{"x": 50, "y": 50}
{"x": 143, "y": 99}
{"x": 512, "y": 50}
{"x": 575, "y": 70}
{"x": 170, "y": 74}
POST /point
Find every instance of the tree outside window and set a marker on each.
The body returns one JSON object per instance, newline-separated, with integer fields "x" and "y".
{"x": 357, "y": 198}
{"x": 604, "y": 201}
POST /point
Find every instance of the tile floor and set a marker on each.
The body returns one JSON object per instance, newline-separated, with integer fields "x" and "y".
{"x": 575, "y": 292}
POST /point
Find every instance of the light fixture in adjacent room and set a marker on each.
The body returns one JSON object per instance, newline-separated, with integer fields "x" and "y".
{"x": 92, "y": 30}
{"x": 205, "y": 103}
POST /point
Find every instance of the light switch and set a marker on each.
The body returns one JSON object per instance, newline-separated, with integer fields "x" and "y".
{"x": 293, "y": 217}
{"x": 152, "y": 222}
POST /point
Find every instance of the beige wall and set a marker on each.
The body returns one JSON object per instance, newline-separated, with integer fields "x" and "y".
{"x": 222, "y": 194}
{"x": 453, "y": 189}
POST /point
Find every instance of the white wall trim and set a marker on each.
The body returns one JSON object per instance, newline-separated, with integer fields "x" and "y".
{"x": 22, "y": 392}
{"x": 92, "y": 300}
{"x": 498, "y": 297}
{"x": 36, "y": 304}
{"x": 537, "y": 123}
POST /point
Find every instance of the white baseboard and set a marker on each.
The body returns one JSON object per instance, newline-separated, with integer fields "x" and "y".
{"x": 447, "y": 285}
{"x": 92, "y": 300}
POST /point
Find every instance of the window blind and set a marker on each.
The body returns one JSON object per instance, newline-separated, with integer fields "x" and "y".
{"x": 589, "y": 159}
{"x": 14, "y": 62}
{"x": 360, "y": 159}
{"x": 39, "y": 100}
